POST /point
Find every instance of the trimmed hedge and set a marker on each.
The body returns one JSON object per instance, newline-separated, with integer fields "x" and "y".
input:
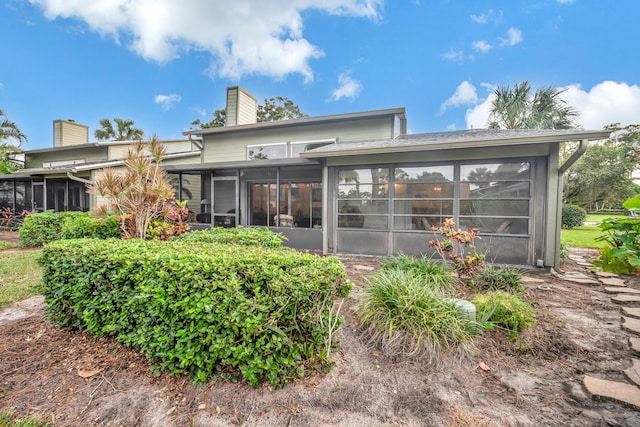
{"x": 246, "y": 236}
{"x": 86, "y": 226}
{"x": 45, "y": 227}
{"x": 224, "y": 311}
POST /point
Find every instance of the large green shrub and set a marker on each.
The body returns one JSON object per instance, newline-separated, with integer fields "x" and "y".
{"x": 44, "y": 227}
{"x": 404, "y": 315}
{"x": 86, "y": 226}
{"x": 506, "y": 310}
{"x": 622, "y": 255}
{"x": 245, "y": 236}
{"x": 226, "y": 311}
{"x": 572, "y": 216}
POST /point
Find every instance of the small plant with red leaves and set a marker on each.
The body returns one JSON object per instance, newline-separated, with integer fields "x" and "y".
{"x": 455, "y": 244}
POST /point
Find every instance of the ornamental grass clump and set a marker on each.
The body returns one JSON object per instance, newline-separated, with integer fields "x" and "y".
{"x": 436, "y": 274}
{"x": 403, "y": 317}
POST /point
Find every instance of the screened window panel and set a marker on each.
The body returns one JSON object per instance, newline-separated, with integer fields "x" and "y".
{"x": 495, "y": 172}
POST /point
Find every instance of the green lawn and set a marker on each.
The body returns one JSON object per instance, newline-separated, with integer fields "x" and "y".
{"x": 19, "y": 272}
{"x": 602, "y": 217}
{"x": 584, "y": 237}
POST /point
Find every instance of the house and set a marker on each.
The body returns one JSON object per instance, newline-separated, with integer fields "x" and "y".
{"x": 357, "y": 183}
{"x": 56, "y": 178}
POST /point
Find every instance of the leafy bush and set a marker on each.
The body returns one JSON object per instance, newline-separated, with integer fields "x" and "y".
{"x": 435, "y": 274}
{"x": 458, "y": 246}
{"x": 44, "y": 227}
{"x": 504, "y": 309}
{"x": 244, "y": 236}
{"x": 572, "y": 216}
{"x": 622, "y": 255}
{"x": 86, "y": 226}
{"x": 235, "y": 311}
{"x": 564, "y": 250}
{"x": 494, "y": 278}
{"x": 405, "y": 317}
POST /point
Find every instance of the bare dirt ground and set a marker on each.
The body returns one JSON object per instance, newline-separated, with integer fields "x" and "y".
{"x": 74, "y": 379}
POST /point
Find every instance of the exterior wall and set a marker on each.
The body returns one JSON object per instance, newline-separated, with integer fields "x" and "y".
{"x": 232, "y": 146}
{"x": 67, "y": 133}
{"x": 119, "y": 151}
{"x": 87, "y": 154}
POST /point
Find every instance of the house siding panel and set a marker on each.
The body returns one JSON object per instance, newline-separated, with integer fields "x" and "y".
{"x": 89, "y": 154}
{"x": 232, "y": 147}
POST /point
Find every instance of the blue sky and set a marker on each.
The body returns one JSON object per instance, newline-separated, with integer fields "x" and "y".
{"x": 164, "y": 63}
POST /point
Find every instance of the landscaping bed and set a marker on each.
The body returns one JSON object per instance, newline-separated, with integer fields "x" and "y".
{"x": 71, "y": 378}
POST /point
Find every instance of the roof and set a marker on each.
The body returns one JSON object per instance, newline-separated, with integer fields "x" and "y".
{"x": 301, "y": 121}
{"x": 91, "y": 145}
{"x": 80, "y": 167}
{"x": 454, "y": 140}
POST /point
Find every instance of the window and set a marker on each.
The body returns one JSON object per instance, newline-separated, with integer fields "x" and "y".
{"x": 284, "y": 149}
{"x": 363, "y": 198}
{"x": 423, "y": 197}
{"x": 300, "y": 204}
{"x": 494, "y": 198}
{"x": 302, "y": 146}
{"x": 267, "y": 151}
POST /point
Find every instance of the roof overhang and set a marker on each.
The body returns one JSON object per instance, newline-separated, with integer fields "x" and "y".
{"x": 400, "y": 112}
{"x": 478, "y": 138}
{"x": 243, "y": 164}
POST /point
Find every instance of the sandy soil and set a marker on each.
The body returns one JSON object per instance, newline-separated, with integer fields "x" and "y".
{"x": 73, "y": 379}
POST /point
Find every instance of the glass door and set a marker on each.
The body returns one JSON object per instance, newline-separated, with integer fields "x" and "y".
{"x": 224, "y": 196}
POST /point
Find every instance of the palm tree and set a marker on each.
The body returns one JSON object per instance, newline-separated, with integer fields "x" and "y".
{"x": 517, "y": 109}
{"x": 11, "y": 138}
{"x": 124, "y": 130}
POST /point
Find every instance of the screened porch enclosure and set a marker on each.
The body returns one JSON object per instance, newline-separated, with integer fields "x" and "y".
{"x": 57, "y": 194}
{"x": 388, "y": 209}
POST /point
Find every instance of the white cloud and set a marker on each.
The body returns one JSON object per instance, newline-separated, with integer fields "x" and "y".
{"x": 490, "y": 16}
{"x": 167, "y": 101}
{"x": 243, "y": 36}
{"x": 349, "y": 88}
{"x": 1, "y": 85}
{"x": 605, "y": 103}
{"x": 465, "y": 94}
{"x": 481, "y": 46}
{"x": 565, "y": 1}
{"x": 456, "y": 56}
{"x": 514, "y": 36}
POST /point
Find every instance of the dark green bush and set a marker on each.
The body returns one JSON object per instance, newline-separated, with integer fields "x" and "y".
{"x": 572, "y": 216}
{"x": 235, "y": 311}
{"x": 44, "y": 227}
{"x": 86, "y": 226}
{"x": 245, "y": 236}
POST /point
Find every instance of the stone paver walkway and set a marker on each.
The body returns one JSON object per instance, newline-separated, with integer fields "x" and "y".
{"x": 629, "y": 300}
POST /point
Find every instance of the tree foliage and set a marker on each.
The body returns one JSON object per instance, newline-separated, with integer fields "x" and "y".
{"x": 141, "y": 194}
{"x": 518, "y": 108}
{"x": 273, "y": 109}
{"x": 11, "y": 139}
{"x": 123, "y": 130}
{"x": 601, "y": 178}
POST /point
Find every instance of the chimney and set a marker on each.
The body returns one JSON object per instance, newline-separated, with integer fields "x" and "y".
{"x": 242, "y": 107}
{"x": 68, "y": 132}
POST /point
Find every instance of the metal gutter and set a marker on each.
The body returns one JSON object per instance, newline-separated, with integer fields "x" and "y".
{"x": 582, "y": 148}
